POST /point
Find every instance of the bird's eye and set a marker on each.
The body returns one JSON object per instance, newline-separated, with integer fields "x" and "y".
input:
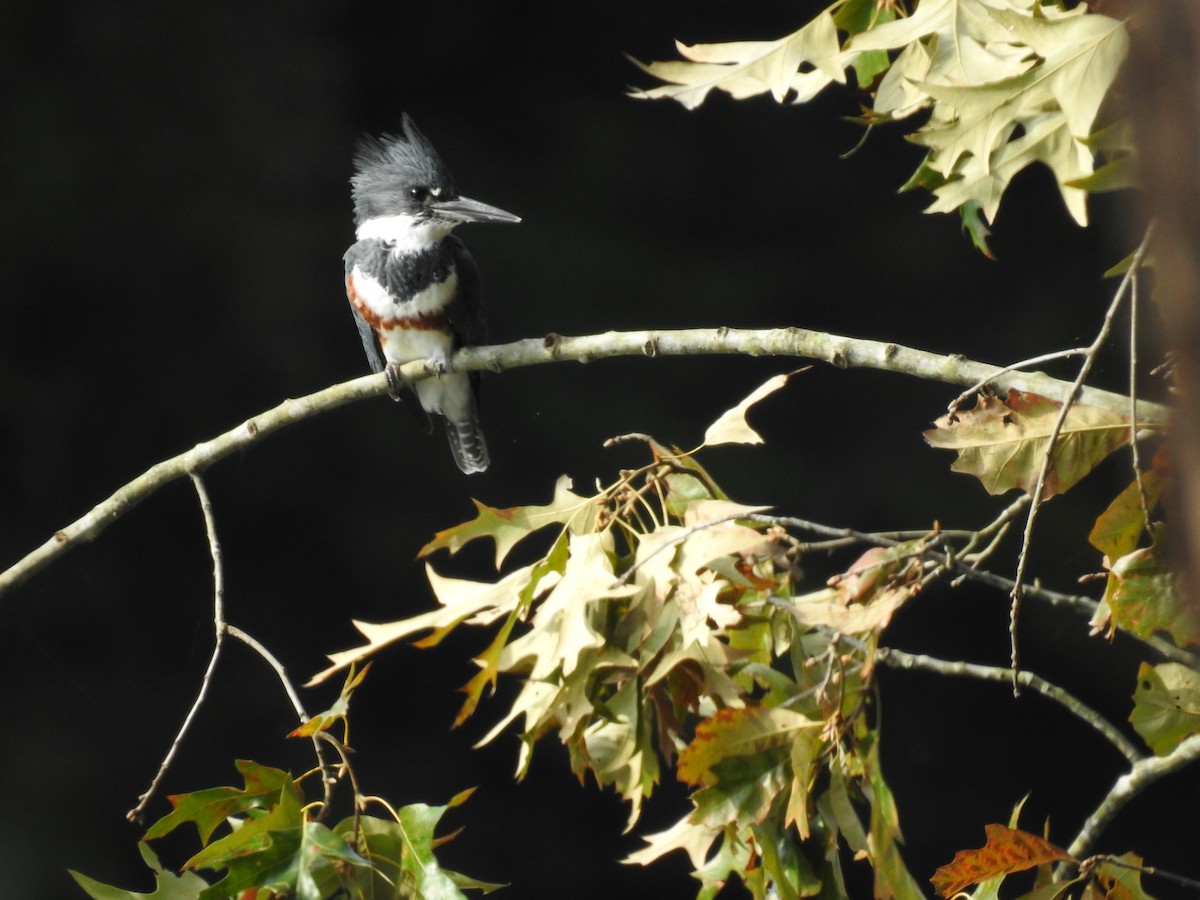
{"x": 419, "y": 194}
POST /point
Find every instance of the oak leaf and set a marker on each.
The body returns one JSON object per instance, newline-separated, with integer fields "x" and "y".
{"x": 1166, "y": 705}
{"x": 1003, "y": 442}
{"x": 1007, "y": 850}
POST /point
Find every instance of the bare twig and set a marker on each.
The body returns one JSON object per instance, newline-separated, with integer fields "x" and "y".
{"x": 221, "y": 629}
{"x": 214, "y": 546}
{"x": 1133, "y": 416}
{"x": 1083, "y": 606}
{"x": 1034, "y": 361}
{"x": 898, "y": 659}
{"x": 843, "y": 352}
{"x": 1039, "y": 489}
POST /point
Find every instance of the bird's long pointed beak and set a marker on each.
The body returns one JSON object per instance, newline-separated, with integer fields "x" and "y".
{"x": 464, "y": 209}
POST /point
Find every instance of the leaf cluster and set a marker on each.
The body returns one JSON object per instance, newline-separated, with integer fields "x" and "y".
{"x": 1001, "y": 84}
{"x": 666, "y": 624}
{"x": 272, "y": 844}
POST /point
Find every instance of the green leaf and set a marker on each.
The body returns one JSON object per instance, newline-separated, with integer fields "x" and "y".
{"x": 255, "y": 835}
{"x": 744, "y": 789}
{"x": 737, "y": 732}
{"x": 303, "y": 860}
{"x": 508, "y": 527}
{"x": 1121, "y": 881}
{"x": 168, "y": 886}
{"x": 1166, "y": 705}
{"x": 402, "y": 854}
{"x": 975, "y": 225}
{"x": 1003, "y": 442}
{"x": 1119, "y": 528}
{"x": 209, "y": 808}
{"x": 1143, "y": 598}
{"x": 892, "y": 878}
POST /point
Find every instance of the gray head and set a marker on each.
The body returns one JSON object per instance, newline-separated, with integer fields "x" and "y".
{"x": 402, "y": 175}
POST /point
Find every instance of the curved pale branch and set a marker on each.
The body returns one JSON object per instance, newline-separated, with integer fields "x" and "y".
{"x": 1143, "y": 774}
{"x": 898, "y": 659}
{"x": 843, "y": 352}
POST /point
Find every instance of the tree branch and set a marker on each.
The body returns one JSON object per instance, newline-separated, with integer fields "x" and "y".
{"x": 1143, "y": 774}
{"x": 898, "y": 659}
{"x": 843, "y": 352}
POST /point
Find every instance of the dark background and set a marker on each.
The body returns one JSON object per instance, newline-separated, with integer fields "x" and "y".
{"x": 175, "y": 206}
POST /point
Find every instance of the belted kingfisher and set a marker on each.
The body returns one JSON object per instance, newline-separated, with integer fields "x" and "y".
{"x": 413, "y": 287}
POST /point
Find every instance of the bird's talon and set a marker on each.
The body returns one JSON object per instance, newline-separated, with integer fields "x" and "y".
{"x": 394, "y": 379}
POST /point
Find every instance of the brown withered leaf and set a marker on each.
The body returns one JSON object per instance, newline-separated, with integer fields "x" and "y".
{"x": 1003, "y": 442}
{"x": 1007, "y": 850}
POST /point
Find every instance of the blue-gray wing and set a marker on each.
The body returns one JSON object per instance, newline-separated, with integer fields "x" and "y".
{"x": 370, "y": 340}
{"x": 466, "y": 314}
{"x": 366, "y": 333}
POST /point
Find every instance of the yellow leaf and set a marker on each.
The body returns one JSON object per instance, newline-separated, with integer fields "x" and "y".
{"x": 731, "y": 427}
{"x": 507, "y": 527}
{"x": 1003, "y": 442}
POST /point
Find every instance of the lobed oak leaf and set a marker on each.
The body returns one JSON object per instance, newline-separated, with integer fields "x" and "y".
{"x": 1007, "y": 850}
{"x": 1003, "y": 442}
{"x": 694, "y": 838}
{"x": 748, "y": 68}
{"x": 209, "y": 808}
{"x": 401, "y": 851}
{"x": 1118, "y": 879}
{"x": 508, "y": 527}
{"x": 474, "y": 601}
{"x": 167, "y": 885}
{"x": 737, "y": 732}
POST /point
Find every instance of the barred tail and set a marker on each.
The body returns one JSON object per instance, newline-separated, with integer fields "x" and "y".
{"x": 468, "y": 446}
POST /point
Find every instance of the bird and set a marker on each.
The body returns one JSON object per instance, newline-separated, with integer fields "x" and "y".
{"x": 413, "y": 287}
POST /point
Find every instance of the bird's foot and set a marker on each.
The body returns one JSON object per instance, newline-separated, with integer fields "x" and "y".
{"x": 440, "y": 363}
{"x": 394, "y": 379}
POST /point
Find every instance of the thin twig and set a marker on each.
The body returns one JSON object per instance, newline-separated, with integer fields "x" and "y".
{"x": 327, "y": 777}
{"x": 221, "y": 629}
{"x": 1133, "y": 416}
{"x": 214, "y": 546}
{"x": 1083, "y": 606}
{"x": 1027, "y": 535}
{"x": 898, "y": 659}
{"x": 1034, "y": 361}
{"x": 840, "y": 351}
{"x": 1155, "y": 871}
